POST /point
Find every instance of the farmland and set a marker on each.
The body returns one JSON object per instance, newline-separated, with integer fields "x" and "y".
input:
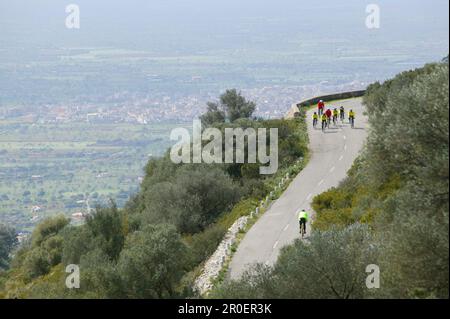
{"x": 47, "y": 169}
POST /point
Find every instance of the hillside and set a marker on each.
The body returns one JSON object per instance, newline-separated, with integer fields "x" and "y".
{"x": 155, "y": 246}
{"x": 391, "y": 210}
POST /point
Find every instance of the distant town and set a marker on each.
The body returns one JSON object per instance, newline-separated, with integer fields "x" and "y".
{"x": 272, "y": 102}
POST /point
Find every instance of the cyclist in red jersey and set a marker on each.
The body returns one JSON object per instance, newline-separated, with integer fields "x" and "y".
{"x": 320, "y": 107}
{"x": 329, "y": 115}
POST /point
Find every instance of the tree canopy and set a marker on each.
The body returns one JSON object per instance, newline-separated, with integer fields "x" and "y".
{"x": 231, "y": 106}
{"x": 7, "y": 242}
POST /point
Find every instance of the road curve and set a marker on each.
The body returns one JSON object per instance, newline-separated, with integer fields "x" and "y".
{"x": 332, "y": 155}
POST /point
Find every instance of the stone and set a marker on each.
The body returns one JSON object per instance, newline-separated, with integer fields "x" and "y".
{"x": 214, "y": 264}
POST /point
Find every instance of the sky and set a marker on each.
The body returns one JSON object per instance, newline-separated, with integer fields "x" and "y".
{"x": 234, "y": 43}
{"x": 200, "y": 25}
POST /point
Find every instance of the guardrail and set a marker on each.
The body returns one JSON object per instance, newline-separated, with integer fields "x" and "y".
{"x": 294, "y": 111}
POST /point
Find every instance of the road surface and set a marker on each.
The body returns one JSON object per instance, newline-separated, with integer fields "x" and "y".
{"x": 332, "y": 155}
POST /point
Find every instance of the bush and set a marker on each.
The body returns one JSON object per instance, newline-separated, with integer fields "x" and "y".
{"x": 332, "y": 265}
{"x": 36, "y": 264}
{"x": 47, "y": 228}
{"x": 7, "y": 242}
{"x": 106, "y": 226}
{"x": 195, "y": 198}
{"x": 152, "y": 263}
{"x": 203, "y": 245}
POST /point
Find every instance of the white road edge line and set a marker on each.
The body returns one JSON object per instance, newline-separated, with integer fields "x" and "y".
{"x": 340, "y": 158}
{"x": 285, "y": 228}
{"x": 309, "y": 196}
{"x": 345, "y": 137}
{"x": 332, "y": 169}
{"x": 275, "y": 245}
{"x": 320, "y": 183}
{"x": 345, "y": 147}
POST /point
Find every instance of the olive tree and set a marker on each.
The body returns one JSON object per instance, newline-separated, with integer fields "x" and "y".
{"x": 232, "y": 106}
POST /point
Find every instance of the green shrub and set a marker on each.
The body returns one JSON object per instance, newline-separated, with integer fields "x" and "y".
{"x": 47, "y": 228}
{"x": 331, "y": 265}
{"x": 203, "y": 244}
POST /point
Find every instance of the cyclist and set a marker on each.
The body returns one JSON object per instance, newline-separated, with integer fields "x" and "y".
{"x": 302, "y": 220}
{"x": 335, "y": 116}
{"x": 324, "y": 119}
{"x": 342, "y": 113}
{"x": 328, "y": 113}
{"x": 351, "y": 118}
{"x": 320, "y": 107}
{"x": 315, "y": 119}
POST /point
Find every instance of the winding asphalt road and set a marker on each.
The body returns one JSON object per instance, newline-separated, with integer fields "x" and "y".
{"x": 332, "y": 155}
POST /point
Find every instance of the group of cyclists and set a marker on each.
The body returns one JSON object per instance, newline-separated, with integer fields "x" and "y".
{"x": 328, "y": 115}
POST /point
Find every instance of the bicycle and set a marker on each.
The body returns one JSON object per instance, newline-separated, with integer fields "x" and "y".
{"x": 342, "y": 117}
{"x": 324, "y": 125}
{"x": 314, "y": 123}
{"x": 302, "y": 224}
{"x": 352, "y": 121}
{"x": 334, "y": 120}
